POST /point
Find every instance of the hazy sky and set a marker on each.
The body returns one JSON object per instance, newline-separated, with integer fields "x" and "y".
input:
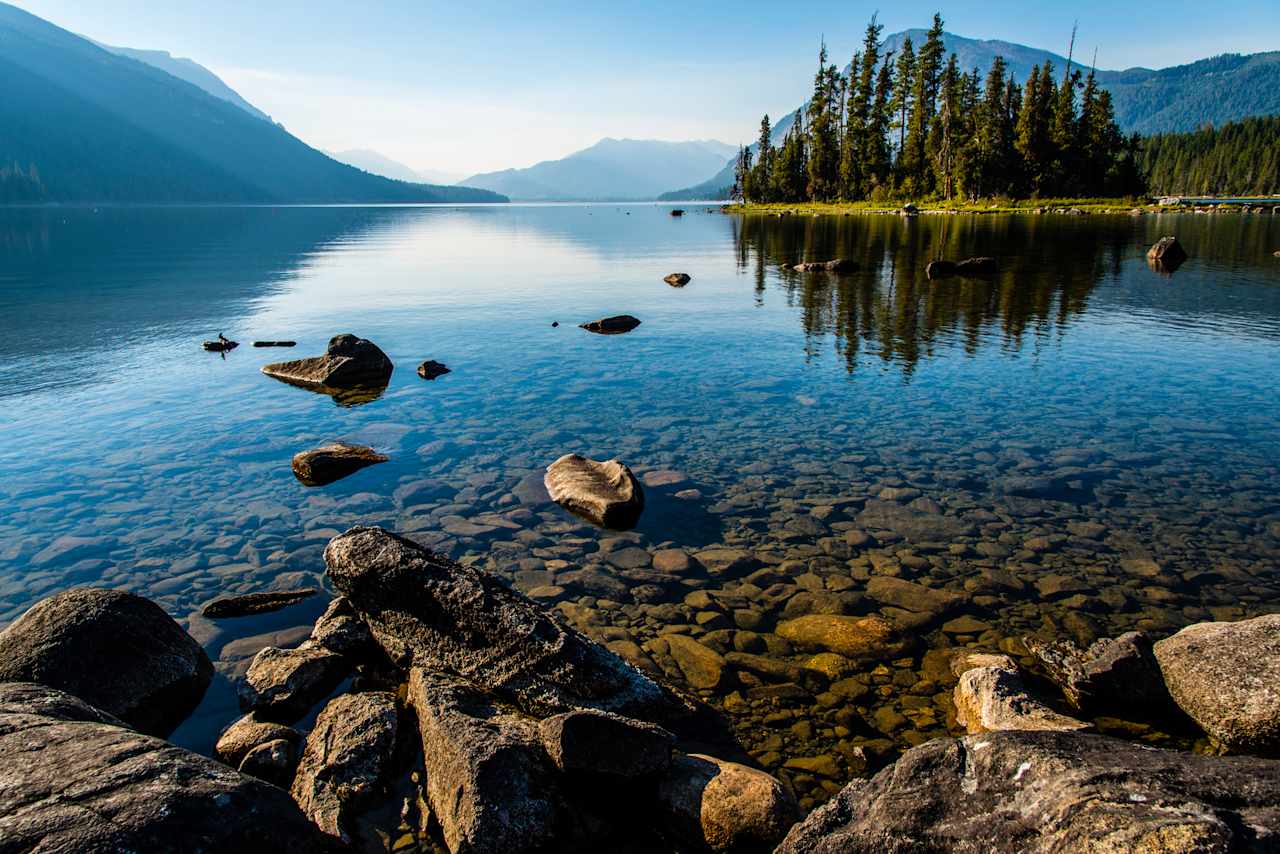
{"x": 481, "y": 85}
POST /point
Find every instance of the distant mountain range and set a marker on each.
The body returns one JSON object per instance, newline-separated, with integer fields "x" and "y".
{"x": 79, "y": 123}
{"x": 190, "y": 71}
{"x": 610, "y": 170}
{"x": 1181, "y": 98}
{"x": 380, "y": 164}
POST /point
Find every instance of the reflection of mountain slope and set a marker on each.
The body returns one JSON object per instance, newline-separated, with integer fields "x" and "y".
{"x": 77, "y": 285}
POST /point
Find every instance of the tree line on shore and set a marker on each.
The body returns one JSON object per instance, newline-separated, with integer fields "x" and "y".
{"x": 1238, "y": 159}
{"x": 913, "y": 126}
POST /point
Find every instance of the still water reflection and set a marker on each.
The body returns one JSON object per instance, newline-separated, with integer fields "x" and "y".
{"x": 1075, "y": 446}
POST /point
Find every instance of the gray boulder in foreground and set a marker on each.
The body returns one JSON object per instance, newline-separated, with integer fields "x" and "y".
{"x": 71, "y": 783}
{"x": 116, "y": 651}
{"x": 1049, "y": 792}
{"x": 1226, "y": 677}
{"x": 605, "y": 493}
{"x": 348, "y": 362}
{"x": 428, "y": 611}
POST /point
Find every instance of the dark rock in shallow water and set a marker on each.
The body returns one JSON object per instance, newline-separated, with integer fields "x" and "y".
{"x": 341, "y": 630}
{"x": 837, "y": 265}
{"x": 114, "y": 650}
{"x": 73, "y": 783}
{"x": 250, "y": 732}
{"x": 606, "y": 493}
{"x": 255, "y": 603}
{"x": 612, "y": 325}
{"x": 220, "y": 345}
{"x": 677, "y": 212}
{"x": 1049, "y": 792}
{"x": 283, "y": 684}
{"x": 1117, "y": 675}
{"x": 678, "y": 280}
{"x": 724, "y": 806}
{"x": 940, "y": 269}
{"x": 426, "y": 610}
{"x": 332, "y": 462}
{"x": 489, "y": 781}
{"x": 431, "y": 369}
{"x": 1166, "y": 255}
{"x": 592, "y": 742}
{"x": 348, "y": 362}
{"x": 275, "y": 343}
{"x": 981, "y": 266}
{"x": 1226, "y": 677}
{"x": 347, "y": 758}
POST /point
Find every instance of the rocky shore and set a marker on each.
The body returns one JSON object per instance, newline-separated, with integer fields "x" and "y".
{"x": 433, "y": 707}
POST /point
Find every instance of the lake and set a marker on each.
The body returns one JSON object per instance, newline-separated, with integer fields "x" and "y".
{"x": 1074, "y": 447}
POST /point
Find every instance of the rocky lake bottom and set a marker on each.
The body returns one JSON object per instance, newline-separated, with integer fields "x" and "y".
{"x": 1075, "y": 447}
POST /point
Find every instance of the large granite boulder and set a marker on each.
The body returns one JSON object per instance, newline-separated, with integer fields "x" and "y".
{"x": 427, "y": 611}
{"x": 114, "y": 650}
{"x": 283, "y": 684}
{"x": 604, "y": 493}
{"x": 1049, "y": 792}
{"x": 71, "y": 781}
{"x": 348, "y": 362}
{"x": 328, "y": 463}
{"x": 995, "y": 699}
{"x": 724, "y": 806}
{"x": 490, "y": 784}
{"x": 591, "y": 743}
{"x": 347, "y": 759}
{"x": 1226, "y": 676}
{"x": 1113, "y": 675}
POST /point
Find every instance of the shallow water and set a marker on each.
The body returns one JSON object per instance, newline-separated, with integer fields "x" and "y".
{"x": 1082, "y": 446}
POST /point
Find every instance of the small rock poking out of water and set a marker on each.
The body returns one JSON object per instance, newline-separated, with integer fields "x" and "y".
{"x": 615, "y": 325}
{"x": 677, "y": 212}
{"x": 836, "y": 265}
{"x": 555, "y": 324}
{"x": 1166, "y": 255}
{"x": 335, "y": 461}
{"x": 348, "y": 362}
{"x": 606, "y": 493}
{"x": 275, "y": 343}
{"x": 910, "y": 210}
{"x": 940, "y": 269}
{"x": 221, "y": 344}
{"x": 255, "y": 603}
{"x": 430, "y": 369}
{"x": 677, "y": 280}
{"x": 980, "y": 266}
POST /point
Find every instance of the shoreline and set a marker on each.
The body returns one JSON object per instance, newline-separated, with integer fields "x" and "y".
{"x": 1076, "y": 207}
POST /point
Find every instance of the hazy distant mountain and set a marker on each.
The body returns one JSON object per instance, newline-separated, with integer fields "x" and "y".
{"x": 190, "y": 71}
{"x": 612, "y": 169}
{"x": 1181, "y": 98}
{"x": 380, "y": 164}
{"x": 82, "y": 124}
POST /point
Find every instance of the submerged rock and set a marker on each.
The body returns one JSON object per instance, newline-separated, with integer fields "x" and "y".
{"x": 72, "y": 782}
{"x": 427, "y": 611}
{"x": 677, "y": 280}
{"x": 114, "y": 650}
{"x": 995, "y": 699}
{"x": 324, "y": 465}
{"x": 591, "y": 742}
{"x": 348, "y": 362}
{"x": 489, "y": 781}
{"x": 871, "y": 637}
{"x": 615, "y": 325}
{"x": 702, "y": 666}
{"x": 1112, "y": 675}
{"x": 1049, "y": 792}
{"x": 347, "y": 759}
{"x": 606, "y": 493}
{"x": 725, "y": 806}
{"x": 431, "y": 369}
{"x": 255, "y": 603}
{"x": 1226, "y": 677}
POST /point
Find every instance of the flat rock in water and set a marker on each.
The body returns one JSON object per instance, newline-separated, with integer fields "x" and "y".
{"x": 347, "y": 758}
{"x": 612, "y": 325}
{"x": 1049, "y": 792}
{"x": 428, "y": 611}
{"x": 1226, "y": 677}
{"x": 604, "y": 493}
{"x": 114, "y": 650}
{"x": 74, "y": 782}
{"x": 862, "y": 638}
{"x": 348, "y": 362}
{"x": 678, "y": 280}
{"x": 255, "y": 603}
{"x": 431, "y": 369}
{"x": 837, "y": 265}
{"x": 332, "y": 462}
{"x": 982, "y": 266}
{"x": 221, "y": 345}
{"x": 275, "y": 343}
{"x": 724, "y": 806}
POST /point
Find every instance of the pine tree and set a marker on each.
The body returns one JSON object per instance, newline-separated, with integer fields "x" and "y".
{"x": 925, "y": 96}
{"x": 791, "y": 167}
{"x": 851, "y": 142}
{"x": 742, "y": 189}
{"x": 878, "y": 167}
{"x": 947, "y": 132}
{"x": 904, "y": 81}
{"x": 823, "y": 149}
{"x": 761, "y": 174}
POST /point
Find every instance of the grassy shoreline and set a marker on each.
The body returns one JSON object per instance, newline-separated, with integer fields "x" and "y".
{"x": 985, "y": 207}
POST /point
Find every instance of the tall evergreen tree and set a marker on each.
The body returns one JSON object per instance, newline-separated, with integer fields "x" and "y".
{"x": 904, "y": 83}
{"x": 761, "y": 180}
{"x": 823, "y": 153}
{"x": 879, "y": 166}
{"x": 928, "y": 76}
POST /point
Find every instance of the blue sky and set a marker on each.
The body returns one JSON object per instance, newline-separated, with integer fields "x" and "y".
{"x": 480, "y": 85}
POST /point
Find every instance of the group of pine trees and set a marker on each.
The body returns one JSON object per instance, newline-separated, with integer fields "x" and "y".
{"x": 916, "y": 126}
{"x": 1238, "y": 159}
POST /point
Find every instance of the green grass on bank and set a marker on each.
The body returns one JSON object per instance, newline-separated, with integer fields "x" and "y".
{"x": 985, "y": 206}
